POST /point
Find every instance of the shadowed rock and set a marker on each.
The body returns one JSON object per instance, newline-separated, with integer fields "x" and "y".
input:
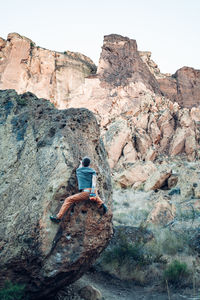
{"x": 120, "y": 63}
{"x": 182, "y": 87}
{"x": 40, "y": 149}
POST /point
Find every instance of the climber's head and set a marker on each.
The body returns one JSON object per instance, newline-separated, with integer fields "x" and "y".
{"x": 86, "y": 161}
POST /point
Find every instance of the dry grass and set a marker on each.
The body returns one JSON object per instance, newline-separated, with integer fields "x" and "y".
{"x": 130, "y": 207}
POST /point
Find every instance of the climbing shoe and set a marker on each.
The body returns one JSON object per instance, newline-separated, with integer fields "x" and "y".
{"x": 105, "y": 209}
{"x": 55, "y": 219}
{"x": 92, "y": 196}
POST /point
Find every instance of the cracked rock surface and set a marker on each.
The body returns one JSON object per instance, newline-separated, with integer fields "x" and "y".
{"x": 40, "y": 150}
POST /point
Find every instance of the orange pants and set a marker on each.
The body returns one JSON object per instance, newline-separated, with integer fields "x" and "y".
{"x": 74, "y": 199}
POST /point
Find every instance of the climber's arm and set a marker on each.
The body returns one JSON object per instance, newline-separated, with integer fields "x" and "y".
{"x": 94, "y": 181}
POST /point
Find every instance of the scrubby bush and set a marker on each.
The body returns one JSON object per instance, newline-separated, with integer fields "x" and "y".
{"x": 125, "y": 259}
{"x": 176, "y": 272}
{"x": 12, "y": 291}
{"x": 126, "y": 253}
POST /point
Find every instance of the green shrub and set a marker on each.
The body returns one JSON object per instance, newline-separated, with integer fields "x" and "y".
{"x": 21, "y": 101}
{"x": 126, "y": 253}
{"x": 32, "y": 45}
{"x": 176, "y": 272}
{"x": 12, "y": 291}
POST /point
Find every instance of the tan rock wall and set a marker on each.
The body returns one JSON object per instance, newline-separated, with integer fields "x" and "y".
{"x": 136, "y": 122}
{"x": 48, "y": 74}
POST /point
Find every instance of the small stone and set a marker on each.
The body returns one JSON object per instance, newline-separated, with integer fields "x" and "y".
{"x": 162, "y": 213}
{"x": 90, "y": 293}
{"x": 175, "y": 191}
{"x": 172, "y": 181}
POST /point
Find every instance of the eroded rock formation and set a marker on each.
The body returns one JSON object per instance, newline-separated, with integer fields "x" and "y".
{"x": 54, "y": 75}
{"x": 48, "y": 74}
{"x": 40, "y": 149}
{"x": 182, "y": 87}
{"x": 138, "y": 124}
{"x": 120, "y": 63}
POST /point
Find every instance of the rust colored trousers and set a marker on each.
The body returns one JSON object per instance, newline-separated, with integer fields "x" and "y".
{"x": 77, "y": 198}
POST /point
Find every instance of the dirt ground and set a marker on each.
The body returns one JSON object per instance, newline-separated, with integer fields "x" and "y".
{"x": 115, "y": 289}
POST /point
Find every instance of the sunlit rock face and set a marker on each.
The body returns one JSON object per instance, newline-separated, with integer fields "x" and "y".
{"x": 137, "y": 122}
{"x": 40, "y": 150}
{"x": 48, "y": 74}
{"x": 134, "y": 103}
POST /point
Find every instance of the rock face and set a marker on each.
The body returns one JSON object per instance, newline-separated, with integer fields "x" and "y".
{"x": 182, "y": 87}
{"x": 157, "y": 179}
{"x": 54, "y": 75}
{"x": 153, "y": 67}
{"x": 137, "y": 122}
{"x": 90, "y": 293}
{"x": 39, "y": 151}
{"x": 120, "y": 63}
{"x": 48, "y": 74}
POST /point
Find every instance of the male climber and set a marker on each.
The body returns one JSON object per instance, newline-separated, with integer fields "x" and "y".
{"x": 87, "y": 190}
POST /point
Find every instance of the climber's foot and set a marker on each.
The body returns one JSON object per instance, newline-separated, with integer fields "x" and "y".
{"x": 55, "y": 219}
{"x": 105, "y": 209}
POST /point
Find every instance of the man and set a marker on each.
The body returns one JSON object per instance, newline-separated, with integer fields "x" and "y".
{"x": 87, "y": 187}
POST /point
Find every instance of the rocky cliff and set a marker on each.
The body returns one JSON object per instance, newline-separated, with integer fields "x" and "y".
{"x": 48, "y": 74}
{"x": 138, "y": 124}
{"x": 54, "y": 75}
{"x": 120, "y": 64}
{"x": 182, "y": 87}
{"x": 40, "y": 149}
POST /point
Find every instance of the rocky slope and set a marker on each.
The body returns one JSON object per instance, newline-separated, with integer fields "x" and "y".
{"x": 39, "y": 151}
{"x": 48, "y": 74}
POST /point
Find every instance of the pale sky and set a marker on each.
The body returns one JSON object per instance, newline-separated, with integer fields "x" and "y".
{"x": 170, "y": 29}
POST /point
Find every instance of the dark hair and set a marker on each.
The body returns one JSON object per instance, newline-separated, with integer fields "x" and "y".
{"x": 86, "y": 161}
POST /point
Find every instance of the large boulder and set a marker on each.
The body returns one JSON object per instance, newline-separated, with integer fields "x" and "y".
{"x": 40, "y": 150}
{"x": 162, "y": 213}
{"x": 158, "y": 178}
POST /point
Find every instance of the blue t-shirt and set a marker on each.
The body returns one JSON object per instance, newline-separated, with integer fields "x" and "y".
{"x": 84, "y": 176}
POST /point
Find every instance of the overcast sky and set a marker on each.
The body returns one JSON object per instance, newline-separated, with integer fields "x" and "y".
{"x": 170, "y": 29}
